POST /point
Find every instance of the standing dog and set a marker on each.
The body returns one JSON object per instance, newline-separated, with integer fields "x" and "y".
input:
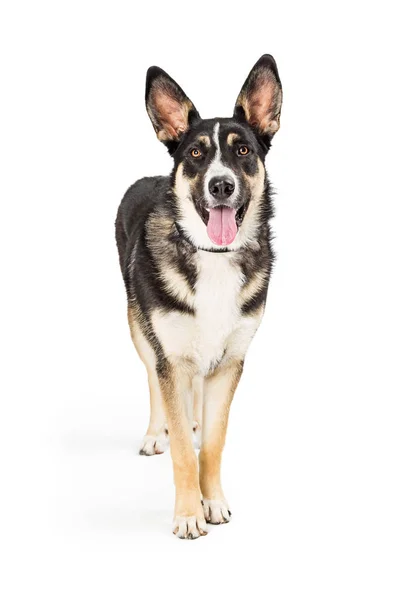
{"x": 196, "y": 257}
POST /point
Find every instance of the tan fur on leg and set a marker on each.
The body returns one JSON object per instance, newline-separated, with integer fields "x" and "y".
{"x": 197, "y": 386}
{"x": 156, "y": 438}
{"x": 219, "y": 392}
{"x": 176, "y": 387}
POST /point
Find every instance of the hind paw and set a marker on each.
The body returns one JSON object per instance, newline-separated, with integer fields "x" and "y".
{"x": 216, "y": 511}
{"x": 154, "y": 444}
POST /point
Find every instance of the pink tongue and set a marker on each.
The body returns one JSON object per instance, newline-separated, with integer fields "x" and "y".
{"x": 221, "y": 227}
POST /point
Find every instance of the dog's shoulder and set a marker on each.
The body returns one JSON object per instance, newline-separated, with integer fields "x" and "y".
{"x": 142, "y": 199}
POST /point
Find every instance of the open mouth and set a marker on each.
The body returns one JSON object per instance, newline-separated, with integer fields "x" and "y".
{"x": 222, "y": 222}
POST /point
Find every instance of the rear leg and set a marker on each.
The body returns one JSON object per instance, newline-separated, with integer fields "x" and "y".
{"x": 197, "y": 388}
{"x": 156, "y": 439}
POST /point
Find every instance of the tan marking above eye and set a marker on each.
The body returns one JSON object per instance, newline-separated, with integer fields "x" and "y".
{"x": 231, "y": 138}
{"x": 196, "y": 153}
{"x": 204, "y": 139}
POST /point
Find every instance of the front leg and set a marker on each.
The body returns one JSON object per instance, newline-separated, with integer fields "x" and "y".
{"x": 176, "y": 386}
{"x": 219, "y": 392}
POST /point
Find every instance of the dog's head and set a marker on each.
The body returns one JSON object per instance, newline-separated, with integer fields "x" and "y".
{"x": 219, "y": 174}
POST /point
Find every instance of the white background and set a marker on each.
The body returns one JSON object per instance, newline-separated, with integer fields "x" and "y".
{"x": 312, "y": 461}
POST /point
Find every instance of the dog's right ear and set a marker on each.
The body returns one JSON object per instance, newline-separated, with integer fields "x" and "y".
{"x": 169, "y": 109}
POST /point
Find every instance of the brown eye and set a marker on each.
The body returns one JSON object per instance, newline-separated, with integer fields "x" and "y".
{"x": 243, "y": 150}
{"x": 196, "y": 153}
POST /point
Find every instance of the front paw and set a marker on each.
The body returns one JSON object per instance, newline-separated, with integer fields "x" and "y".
{"x": 189, "y": 528}
{"x": 216, "y": 511}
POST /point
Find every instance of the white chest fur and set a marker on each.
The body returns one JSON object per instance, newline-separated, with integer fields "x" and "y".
{"x": 205, "y": 337}
{"x": 216, "y": 304}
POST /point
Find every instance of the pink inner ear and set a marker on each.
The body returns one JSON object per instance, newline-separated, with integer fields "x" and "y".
{"x": 262, "y": 102}
{"x": 172, "y": 114}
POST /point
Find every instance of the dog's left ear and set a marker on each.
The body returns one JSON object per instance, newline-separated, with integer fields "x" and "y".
{"x": 169, "y": 109}
{"x": 260, "y": 98}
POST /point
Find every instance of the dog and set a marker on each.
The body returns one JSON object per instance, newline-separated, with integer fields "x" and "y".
{"x": 196, "y": 257}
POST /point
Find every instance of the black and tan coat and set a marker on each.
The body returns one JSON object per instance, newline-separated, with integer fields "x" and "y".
{"x": 196, "y": 292}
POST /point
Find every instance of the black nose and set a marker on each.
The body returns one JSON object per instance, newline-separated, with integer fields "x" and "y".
{"x": 221, "y": 189}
